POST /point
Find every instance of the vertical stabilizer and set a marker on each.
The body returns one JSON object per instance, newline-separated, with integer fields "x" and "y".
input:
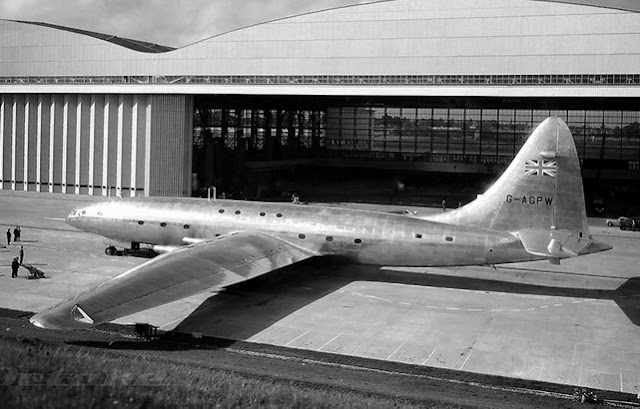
{"x": 539, "y": 196}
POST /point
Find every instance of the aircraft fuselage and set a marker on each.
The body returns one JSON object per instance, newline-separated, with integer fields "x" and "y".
{"x": 360, "y": 236}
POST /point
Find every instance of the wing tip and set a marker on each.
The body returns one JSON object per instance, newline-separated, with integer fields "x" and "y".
{"x": 62, "y": 318}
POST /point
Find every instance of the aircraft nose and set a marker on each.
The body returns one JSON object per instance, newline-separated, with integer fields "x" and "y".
{"x": 72, "y": 216}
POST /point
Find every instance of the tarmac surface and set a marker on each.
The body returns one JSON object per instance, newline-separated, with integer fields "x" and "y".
{"x": 576, "y": 324}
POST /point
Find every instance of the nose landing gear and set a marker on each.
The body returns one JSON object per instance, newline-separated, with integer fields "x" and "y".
{"x": 110, "y": 251}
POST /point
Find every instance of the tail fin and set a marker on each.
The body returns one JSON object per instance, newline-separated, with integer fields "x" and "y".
{"x": 539, "y": 196}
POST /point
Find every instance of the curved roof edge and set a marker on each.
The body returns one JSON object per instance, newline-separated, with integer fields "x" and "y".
{"x": 362, "y": 3}
{"x": 131, "y": 44}
{"x": 624, "y": 5}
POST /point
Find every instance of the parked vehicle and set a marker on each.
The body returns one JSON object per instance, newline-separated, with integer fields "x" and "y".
{"x": 617, "y": 222}
{"x": 630, "y": 224}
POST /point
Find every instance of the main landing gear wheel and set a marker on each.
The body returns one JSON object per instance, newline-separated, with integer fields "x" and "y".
{"x": 110, "y": 251}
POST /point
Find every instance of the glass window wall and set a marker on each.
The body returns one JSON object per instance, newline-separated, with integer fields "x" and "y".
{"x": 612, "y": 135}
{"x": 491, "y": 136}
{"x": 424, "y": 125}
{"x": 472, "y": 133}
{"x": 594, "y": 131}
{"x": 630, "y": 134}
{"x": 440, "y": 131}
{"x": 576, "y": 123}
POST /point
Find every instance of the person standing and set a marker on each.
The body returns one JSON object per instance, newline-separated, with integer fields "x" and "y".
{"x": 21, "y": 254}
{"x": 16, "y": 235}
{"x": 14, "y": 267}
{"x": 8, "y": 236}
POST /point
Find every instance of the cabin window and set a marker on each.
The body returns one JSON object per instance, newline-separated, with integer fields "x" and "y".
{"x": 84, "y": 212}
{"x": 263, "y": 214}
{"x": 279, "y": 215}
{"x": 217, "y": 234}
{"x": 221, "y": 211}
{"x": 140, "y": 222}
{"x": 302, "y": 236}
{"x": 448, "y": 238}
{"x": 186, "y": 226}
{"x": 99, "y": 213}
{"x": 329, "y": 238}
{"x": 357, "y": 241}
{"x": 418, "y": 236}
{"x": 238, "y": 212}
{"x": 163, "y": 224}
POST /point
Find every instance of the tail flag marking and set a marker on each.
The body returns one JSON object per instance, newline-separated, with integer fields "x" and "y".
{"x": 540, "y": 168}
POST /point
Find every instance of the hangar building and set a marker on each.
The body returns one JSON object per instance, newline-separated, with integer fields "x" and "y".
{"x": 437, "y": 85}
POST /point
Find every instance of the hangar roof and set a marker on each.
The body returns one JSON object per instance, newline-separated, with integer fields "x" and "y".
{"x": 390, "y": 39}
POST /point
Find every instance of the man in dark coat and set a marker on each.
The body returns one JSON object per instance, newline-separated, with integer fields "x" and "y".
{"x": 21, "y": 254}
{"x": 14, "y": 267}
{"x": 8, "y": 236}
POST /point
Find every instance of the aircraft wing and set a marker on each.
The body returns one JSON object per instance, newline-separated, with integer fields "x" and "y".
{"x": 172, "y": 276}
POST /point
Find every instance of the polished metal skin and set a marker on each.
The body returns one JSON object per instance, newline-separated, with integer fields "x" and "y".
{"x": 534, "y": 211}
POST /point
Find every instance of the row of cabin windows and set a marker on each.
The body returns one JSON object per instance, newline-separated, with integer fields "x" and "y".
{"x": 239, "y": 212}
{"x": 164, "y": 224}
{"x": 330, "y": 238}
{"x": 302, "y": 236}
{"x": 447, "y": 238}
{"x": 186, "y": 226}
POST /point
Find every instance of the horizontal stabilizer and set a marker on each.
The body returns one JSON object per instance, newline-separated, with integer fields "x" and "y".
{"x": 552, "y": 243}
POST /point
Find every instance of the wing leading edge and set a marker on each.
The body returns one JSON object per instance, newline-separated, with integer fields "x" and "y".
{"x": 173, "y": 276}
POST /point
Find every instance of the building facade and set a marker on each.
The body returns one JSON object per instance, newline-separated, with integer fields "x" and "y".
{"x": 437, "y": 86}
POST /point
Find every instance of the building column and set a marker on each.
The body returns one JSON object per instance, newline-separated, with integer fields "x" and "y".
{"x": 25, "y": 163}
{"x": 147, "y": 149}
{"x": 2, "y": 142}
{"x": 39, "y": 144}
{"x": 78, "y": 142}
{"x": 52, "y": 129}
{"x": 14, "y": 136}
{"x": 134, "y": 145}
{"x": 105, "y": 150}
{"x": 65, "y": 134}
{"x": 119, "y": 149}
{"x": 92, "y": 142}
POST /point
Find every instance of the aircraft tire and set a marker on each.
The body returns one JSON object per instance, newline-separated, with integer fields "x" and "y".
{"x": 110, "y": 251}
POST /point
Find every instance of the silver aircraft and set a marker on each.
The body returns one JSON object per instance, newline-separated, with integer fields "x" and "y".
{"x": 534, "y": 211}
